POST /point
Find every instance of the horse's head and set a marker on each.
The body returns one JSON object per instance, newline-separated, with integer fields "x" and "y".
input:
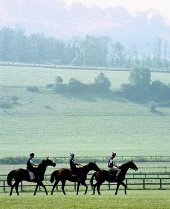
{"x": 49, "y": 162}
{"x": 132, "y": 165}
{"x": 93, "y": 166}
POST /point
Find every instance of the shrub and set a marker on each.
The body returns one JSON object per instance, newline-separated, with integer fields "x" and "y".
{"x": 33, "y": 89}
{"x": 102, "y": 82}
{"x": 59, "y": 80}
{"x": 5, "y": 104}
{"x": 49, "y": 86}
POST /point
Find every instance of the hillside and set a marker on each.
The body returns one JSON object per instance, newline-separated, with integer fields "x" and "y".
{"x": 49, "y": 124}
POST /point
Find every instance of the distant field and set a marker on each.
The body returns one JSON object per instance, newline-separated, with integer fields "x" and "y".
{"x": 51, "y": 125}
{"x": 134, "y": 200}
{"x": 25, "y": 76}
{"x": 143, "y": 167}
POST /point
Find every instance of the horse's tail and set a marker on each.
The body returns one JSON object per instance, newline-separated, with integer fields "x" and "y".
{"x": 54, "y": 176}
{"x": 92, "y": 178}
{"x": 10, "y": 176}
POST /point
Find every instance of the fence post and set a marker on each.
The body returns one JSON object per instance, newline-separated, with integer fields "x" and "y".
{"x": 143, "y": 183}
{"x": 160, "y": 183}
{"x": 75, "y": 186}
{"x": 109, "y": 185}
{"x": 4, "y": 185}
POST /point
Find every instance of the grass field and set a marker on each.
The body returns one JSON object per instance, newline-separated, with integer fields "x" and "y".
{"x": 52, "y": 125}
{"x": 134, "y": 200}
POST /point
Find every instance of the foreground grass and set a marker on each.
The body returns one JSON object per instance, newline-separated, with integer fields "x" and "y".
{"x": 134, "y": 200}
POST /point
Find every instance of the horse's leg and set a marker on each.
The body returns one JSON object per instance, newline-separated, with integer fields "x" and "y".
{"x": 125, "y": 186}
{"x": 11, "y": 190}
{"x": 55, "y": 184}
{"x": 36, "y": 188}
{"x": 12, "y": 187}
{"x": 94, "y": 187}
{"x": 78, "y": 185}
{"x": 62, "y": 187}
{"x": 84, "y": 184}
{"x": 16, "y": 187}
{"x": 41, "y": 184}
{"x": 98, "y": 188}
{"x": 118, "y": 184}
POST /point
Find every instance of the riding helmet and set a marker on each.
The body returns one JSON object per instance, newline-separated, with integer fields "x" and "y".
{"x": 71, "y": 154}
{"x": 32, "y": 154}
{"x": 113, "y": 154}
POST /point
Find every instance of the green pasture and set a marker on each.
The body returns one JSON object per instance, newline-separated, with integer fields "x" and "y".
{"x": 25, "y": 76}
{"x": 134, "y": 200}
{"x": 52, "y": 125}
{"x": 143, "y": 167}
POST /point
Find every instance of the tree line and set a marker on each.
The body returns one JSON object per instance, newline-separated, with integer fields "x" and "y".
{"x": 140, "y": 89}
{"x": 16, "y": 46}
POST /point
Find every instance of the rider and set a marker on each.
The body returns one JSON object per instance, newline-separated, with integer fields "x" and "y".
{"x": 32, "y": 166}
{"x": 73, "y": 165}
{"x": 112, "y": 165}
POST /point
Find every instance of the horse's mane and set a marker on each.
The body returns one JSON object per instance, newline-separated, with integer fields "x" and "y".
{"x": 41, "y": 163}
{"x": 125, "y": 164}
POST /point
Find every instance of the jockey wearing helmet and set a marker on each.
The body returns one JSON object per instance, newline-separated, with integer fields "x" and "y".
{"x": 112, "y": 165}
{"x": 32, "y": 166}
{"x": 73, "y": 165}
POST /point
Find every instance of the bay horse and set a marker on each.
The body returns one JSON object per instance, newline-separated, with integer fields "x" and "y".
{"x": 65, "y": 174}
{"x": 106, "y": 175}
{"x": 20, "y": 175}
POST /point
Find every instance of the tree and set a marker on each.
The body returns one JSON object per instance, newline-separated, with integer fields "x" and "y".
{"x": 102, "y": 82}
{"x": 140, "y": 77}
{"x": 160, "y": 91}
{"x": 59, "y": 80}
{"x": 117, "y": 54}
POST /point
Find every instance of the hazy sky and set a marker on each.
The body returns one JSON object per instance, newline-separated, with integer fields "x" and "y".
{"x": 161, "y": 6}
{"x": 120, "y": 19}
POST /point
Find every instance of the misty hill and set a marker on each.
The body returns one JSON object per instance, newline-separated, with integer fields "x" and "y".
{"x": 56, "y": 19}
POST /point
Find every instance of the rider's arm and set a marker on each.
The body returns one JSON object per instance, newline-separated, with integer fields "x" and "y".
{"x": 34, "y": 165}
{"x": 114, "y": 164}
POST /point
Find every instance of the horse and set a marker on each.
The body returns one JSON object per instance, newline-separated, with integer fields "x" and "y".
{"x": 20, "y": 175}
{"x": 110, "y": 176}
{"x": 65, "y": 174}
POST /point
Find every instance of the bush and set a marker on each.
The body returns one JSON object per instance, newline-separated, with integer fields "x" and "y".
{"x": 160, "y": 91}
{"x": 33, "y": 89}
{"x": 102, "y": 82}
{"x": 5, "y": 104}
{"x": 59, "y": 80}
{"x": 49, "y": 86}
{"x": 140, "y": 76}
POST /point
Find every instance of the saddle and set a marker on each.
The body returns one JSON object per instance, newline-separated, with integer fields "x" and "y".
{"x": 31, "y": 174}
{"x": 112, "y": 174}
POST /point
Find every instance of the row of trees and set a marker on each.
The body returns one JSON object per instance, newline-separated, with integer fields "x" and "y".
{"x": 15, "y": 46}
{"x": 140, "y": 88}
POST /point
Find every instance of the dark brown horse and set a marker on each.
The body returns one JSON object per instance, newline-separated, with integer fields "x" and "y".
{"x": 65, "y": 174}
{"x": 20, "y": 175}
{"x": 105, "y": 175}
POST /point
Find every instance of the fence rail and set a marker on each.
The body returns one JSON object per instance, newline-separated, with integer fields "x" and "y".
{"x": 134, "y": 182}
{"x": 84, "y": 159}
{"x": 18, "y": 64}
